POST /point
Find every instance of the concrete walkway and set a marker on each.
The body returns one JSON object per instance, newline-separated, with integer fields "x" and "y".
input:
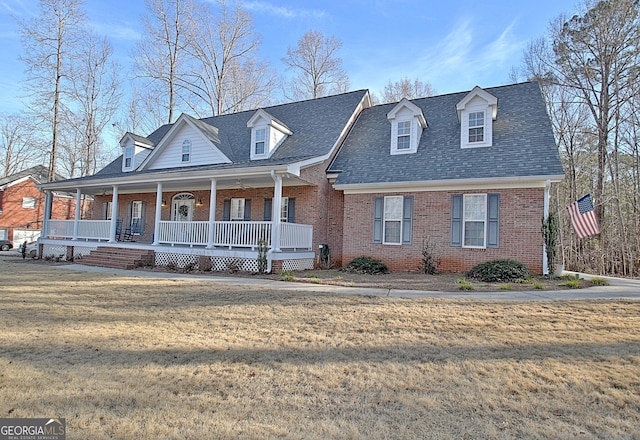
{"x": 618, "y": 288}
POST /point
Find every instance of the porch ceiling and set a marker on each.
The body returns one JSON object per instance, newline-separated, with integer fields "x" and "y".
{"x": 193, "y": 184}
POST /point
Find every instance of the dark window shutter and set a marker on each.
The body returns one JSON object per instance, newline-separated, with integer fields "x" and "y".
{"x": 407, "y": 220}
{"x": 493, "y": 219}
{"x": 267, "y": 209}
{"x": 291, "y": 215}
{"x": 247, "y": 210}
{"x": 456, "y": 220}
{"x": 226, "y": 210}
{"x": 129, "y": 211}
{"x": 377, "y": 219}
{"x": 104, "y": 211}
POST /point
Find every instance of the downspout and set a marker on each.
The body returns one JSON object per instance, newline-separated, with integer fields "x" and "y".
{"x": 545, "y": 262}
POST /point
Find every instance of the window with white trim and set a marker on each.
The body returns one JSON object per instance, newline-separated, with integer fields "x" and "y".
{"x": 392, "y": 221}
{"x": 107, "y": 213}
{"x": 260, "y": 142}
{"x": 29, "y": 202}
{"x": 237, "y": 210}
{"x": 404, "y": 135}
{"x": 476, "y": 127}
{"x": 474, "y": 228}
{"x": 186, "y": 151}
{"x": 284, "y": 210}
{"x": 128, "y": 157}
{"x": 136, "y": 216}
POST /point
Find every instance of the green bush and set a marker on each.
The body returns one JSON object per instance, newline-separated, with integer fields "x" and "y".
{"x": 287, "y": 275}
{"x": 464, "y": 284}
{"x": 366, "y": 265}
{"x": 596, "y": 281}
{"x": 499, "y": 271}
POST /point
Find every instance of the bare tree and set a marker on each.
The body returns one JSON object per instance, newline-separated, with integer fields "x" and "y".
{"x": 405, "y": 88}
{"x": 318, "y": 70}
{"x": 18, "y": 147}
{"x": 95, "y": 98}
{"x": 225, "y": 72}
{"x": 158, "y": 57}
{"x": 48, "y": 41}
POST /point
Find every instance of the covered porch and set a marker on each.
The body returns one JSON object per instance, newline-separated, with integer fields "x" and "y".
{"x": 175, "y": 229}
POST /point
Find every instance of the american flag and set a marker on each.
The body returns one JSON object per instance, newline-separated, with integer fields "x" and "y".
{"x": 583, "y": 217}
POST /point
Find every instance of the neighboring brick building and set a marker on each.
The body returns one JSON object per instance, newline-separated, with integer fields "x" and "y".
{"x": 468, "y": 173}
{"x": 22, "y": 205}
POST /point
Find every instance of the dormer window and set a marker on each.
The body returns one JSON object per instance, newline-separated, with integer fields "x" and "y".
{"x": 260, "y": 137}
{"x": 404, "y": 135}
{"x": 186, "y": 151}
{"x": 407, "y": 123}
{"x": 128, "y": 157}
{"x": 267, "y": 133}
{"x": 476, "y": 126}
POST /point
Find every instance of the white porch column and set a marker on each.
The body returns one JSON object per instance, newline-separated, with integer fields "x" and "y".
{"x": 48, "y": 202}
{"x": 156, "y": 229}
{"x": 114, "y": 215}
{"x": 275, "y": 214}
{"x": 76, "y": 219}
{"x": 212, "y": 213}
{"x": 545, "y": 262}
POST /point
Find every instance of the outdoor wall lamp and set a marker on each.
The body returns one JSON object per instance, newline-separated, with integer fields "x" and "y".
{"x": 164, "y": 203}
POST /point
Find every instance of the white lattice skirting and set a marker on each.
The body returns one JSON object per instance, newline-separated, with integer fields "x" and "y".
{"x": 224, "y": 264}
{"x": 53, "y": 251}
{"x": 81, "y": 251}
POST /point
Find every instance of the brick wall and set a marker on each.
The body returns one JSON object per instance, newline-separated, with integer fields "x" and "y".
{"x": 520, "y": 238}
{"x": 14, "y": 216}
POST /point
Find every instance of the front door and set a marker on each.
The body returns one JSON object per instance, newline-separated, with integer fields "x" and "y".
{"x": 183, "y": 205}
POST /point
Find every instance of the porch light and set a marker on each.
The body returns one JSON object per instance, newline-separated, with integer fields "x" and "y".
{"x": 199, "y": 203}
{"x": 164, "y": 203}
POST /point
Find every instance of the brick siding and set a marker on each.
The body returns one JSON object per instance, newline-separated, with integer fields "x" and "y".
{"x": 520, "y": 238}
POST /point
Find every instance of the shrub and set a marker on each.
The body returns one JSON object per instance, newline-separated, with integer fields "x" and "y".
{"x": 464, "y": 284}
{"x": 599, "y": 281}
{"x": 573, "y": 284}
{"x": 430, "y": 259}
{"x": 499, "y": 271}
{"x": 366, "y": 265}
{"x": 287, "y": 275}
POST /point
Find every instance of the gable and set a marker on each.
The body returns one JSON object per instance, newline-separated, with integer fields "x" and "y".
{"x": 169, "y": 151}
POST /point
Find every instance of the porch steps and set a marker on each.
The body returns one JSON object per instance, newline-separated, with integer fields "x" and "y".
{"x": 118, "y": 258}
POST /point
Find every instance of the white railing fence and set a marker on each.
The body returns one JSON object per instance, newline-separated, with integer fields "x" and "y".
{"x": 226, "y": 233}
{"x": 296, "y": 236}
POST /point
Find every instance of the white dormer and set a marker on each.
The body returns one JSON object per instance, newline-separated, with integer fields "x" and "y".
{"x": 476, "y": 113}
{"x": 135, "y": 149}
{"x": 407, "y": 122}
{"x": 267, "y": 133}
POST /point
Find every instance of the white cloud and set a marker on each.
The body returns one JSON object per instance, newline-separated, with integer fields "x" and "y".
{"x": 281, "y": 11}
{"x": 116, "y": 31}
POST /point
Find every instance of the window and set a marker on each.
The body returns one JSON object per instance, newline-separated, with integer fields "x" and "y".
{"x": 475, "y": 220}
{"x": 404, "y": 135}
{"x": 29, "y": 202}
{"x": 259, "y": 149}
{"x": 476, "y": 127}
{"x": 284, "y": 210}
{"x": 128, "y": 157}
{"x": 136, "y": 216}
{"x": 237, "y": 210}
{"x": 107, "y": 213}
{"x": 392, "y": 220}
{"x": 392, "y": 225}
{"x": 186, "y": 151}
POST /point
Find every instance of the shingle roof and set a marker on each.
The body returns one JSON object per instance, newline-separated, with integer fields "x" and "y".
{"x": 316, "y": 125}
{"x": 523, "y": 143}
{"x": 38, "y": 172}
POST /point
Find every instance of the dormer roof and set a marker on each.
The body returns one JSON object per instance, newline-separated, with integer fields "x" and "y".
{"x": 478, "y": 92}
{"x": 414, "y": 109}
{"x": 263, "y": 115}
{"x": 137, "y": 139}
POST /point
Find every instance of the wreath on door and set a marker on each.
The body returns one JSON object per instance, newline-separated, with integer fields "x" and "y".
{"x": 183, "y": 210}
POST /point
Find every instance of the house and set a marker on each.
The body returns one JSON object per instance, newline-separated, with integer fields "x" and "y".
{"x": 327, "y": 180}
{"x": 21, "y": 205}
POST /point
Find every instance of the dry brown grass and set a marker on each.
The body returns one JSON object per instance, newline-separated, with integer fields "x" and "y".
{"x": 134, "y": 358}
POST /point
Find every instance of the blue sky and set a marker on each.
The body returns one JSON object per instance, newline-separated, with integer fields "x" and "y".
{"x": 453, "y": 45}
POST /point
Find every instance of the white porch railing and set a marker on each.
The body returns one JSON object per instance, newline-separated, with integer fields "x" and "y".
{"x": 296, "y": 236}
{"x": 191, "y": 233}
{"x": 226, "y": 233}
{"x": 87, "y": 229}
